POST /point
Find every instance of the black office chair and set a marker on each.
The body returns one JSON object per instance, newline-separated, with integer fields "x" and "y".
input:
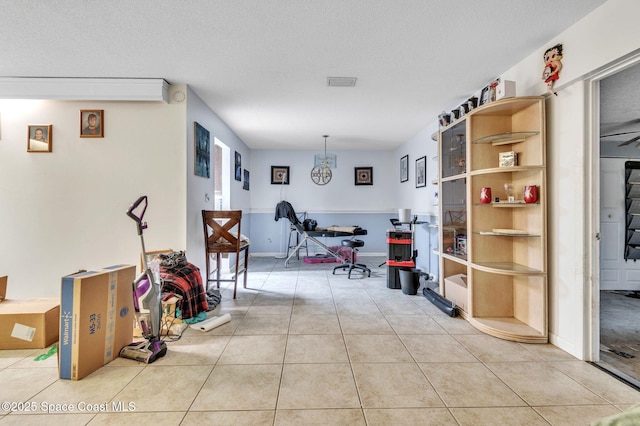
{"x": 353, "y": 244}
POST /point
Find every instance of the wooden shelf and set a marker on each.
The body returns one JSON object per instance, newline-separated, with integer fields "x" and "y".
{"x": 515, "y": 204}
{"x": 454, "y": 257}
{"x": 508, "y": 328}
{"x": 507, "y": 268}
{"x": 506, "y": 170}
{"x": 506, "y": 271}
{"x": 508, "y": 205}
{"x": 506, "y": 138}
{"x": 506, "y": 234}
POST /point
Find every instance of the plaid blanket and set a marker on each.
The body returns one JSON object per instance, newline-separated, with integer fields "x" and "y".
{"x": 186, "y": 281}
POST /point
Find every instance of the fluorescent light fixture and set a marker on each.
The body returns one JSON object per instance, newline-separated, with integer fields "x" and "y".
{"x": 85, "y": 89}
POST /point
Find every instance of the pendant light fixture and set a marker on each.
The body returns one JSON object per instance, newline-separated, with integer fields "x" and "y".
{"x": 321, "y": 172}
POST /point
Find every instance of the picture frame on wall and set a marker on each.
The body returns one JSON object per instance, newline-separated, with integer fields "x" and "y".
{"x": 279, "y": 175}
{"x": 238, "y": 167}
{"x": 404, "y": 168}
{"x": 202, "y": 151}
{"x": 92, "y": 123}
{"x": 421, "y": 172}
{"x": 363, "y": 175}
{"x": 40, "y": 138}
{"x": 245, "y": 185}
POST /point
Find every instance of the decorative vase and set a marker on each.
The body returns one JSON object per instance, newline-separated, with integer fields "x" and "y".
{"x": 530, "y": 194}
{"x": 485, "y": 195}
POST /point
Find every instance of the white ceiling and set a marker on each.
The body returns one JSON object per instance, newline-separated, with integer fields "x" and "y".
{"x": 262, "y": 65}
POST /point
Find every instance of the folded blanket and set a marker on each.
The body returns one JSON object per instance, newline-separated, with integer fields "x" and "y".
{"x": 185, "y": 281}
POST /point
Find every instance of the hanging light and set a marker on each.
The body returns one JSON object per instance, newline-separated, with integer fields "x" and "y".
{"x": 321, "y": 172}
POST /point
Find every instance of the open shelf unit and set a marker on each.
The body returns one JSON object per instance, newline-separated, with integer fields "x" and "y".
{"x": 500, "y": 247}
{"x": 632, "y": 202}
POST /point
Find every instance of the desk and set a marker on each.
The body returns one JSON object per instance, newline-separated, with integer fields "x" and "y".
{"x": 330, "y": 232}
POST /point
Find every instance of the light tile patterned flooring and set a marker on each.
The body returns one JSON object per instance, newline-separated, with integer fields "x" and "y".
{"x": 306, "y": 347}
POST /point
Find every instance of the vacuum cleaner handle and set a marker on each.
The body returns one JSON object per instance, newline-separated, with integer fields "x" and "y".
{"x": 138, "y": 218}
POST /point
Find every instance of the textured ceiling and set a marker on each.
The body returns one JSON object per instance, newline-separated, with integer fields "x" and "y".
{"x": 620, "y": 113}
{"x": 262, "y": 65}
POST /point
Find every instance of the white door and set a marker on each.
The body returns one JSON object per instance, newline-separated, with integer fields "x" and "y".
{"x": 615, "y": 273}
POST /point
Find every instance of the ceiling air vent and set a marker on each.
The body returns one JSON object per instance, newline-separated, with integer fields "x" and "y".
{"x": 341, "y": 81}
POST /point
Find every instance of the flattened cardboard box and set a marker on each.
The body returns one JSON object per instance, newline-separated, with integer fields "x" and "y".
{"x": 27, "y": 324}
{"x": 96, "y": 319}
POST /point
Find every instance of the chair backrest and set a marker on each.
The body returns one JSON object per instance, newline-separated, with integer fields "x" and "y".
{"x": 222, "y": 230}
{"x": 457, "y": 217}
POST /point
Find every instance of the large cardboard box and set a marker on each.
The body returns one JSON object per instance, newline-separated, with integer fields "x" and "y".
{"x": 96, "y": 319}
{"x": 27, "y": 324}
{"x": 455, "y": 289}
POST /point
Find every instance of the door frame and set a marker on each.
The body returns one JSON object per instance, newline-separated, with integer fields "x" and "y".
{"x": 592, "y": 296}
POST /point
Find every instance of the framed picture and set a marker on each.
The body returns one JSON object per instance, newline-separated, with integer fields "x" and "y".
{"x": 363, "y": 175}
{"x": 246, "y": 180}
{"x": 421, "y": 172}
{"x": 39, "y": 138}
{"x": 238, "y": 166}
{"x": 485, "y": 96}
{"x": 92, "y": 123}
{"x": 404, "y": 168}
{"x": 202, "y": 150}
{"x": 279, "y": 175}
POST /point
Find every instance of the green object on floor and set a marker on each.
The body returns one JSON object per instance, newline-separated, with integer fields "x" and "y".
{"x": 200, "y": 317}
{"x": 44, "y": 356}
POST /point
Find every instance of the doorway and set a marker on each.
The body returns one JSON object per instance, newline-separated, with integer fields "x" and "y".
{"x": 618, "y": 286}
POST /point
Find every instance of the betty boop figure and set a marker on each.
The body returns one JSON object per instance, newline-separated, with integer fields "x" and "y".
{"x": 552, "y": 66}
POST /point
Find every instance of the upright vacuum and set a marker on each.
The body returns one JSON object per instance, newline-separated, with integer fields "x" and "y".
{"x": 147, "y": 301}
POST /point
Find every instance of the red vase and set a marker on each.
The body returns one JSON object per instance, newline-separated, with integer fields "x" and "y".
{"x": 485, "y": 195}
{"x": 530, "y": 194}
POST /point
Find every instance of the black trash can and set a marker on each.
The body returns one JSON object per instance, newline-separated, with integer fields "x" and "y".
{"x": 409, "y": 280}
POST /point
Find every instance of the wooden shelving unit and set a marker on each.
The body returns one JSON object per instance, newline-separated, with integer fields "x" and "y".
{"x": 501, "y": 247}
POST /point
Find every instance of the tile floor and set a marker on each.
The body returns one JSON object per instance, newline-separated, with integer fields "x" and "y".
{"x": 306, "y": 347}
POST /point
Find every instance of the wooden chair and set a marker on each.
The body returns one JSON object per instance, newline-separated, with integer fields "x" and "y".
{"x": 222, "y": 235}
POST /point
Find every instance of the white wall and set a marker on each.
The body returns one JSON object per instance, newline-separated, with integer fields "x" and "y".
{"x": 421, "y": 201}
{"x": 64, "y": 211}
{"x": 607, "y": 34}
{"x": 339, "y": 195}
{"x": 201, "y": 190}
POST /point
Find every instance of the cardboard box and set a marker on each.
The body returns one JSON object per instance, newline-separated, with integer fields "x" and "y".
{"x": 3, "y": 287}
{"x": 29, "y": 323}
{"x": 455, "y": 289}
{"x": 506, "y": 89}
{"x": 96, "y": 319}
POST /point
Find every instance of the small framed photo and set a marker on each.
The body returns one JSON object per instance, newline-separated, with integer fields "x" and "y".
{"x": 39, "y": 138}
{"x": 245, "y": 184}
{"x": 485, "y": 96}
{"x": 404, "y": 168}
{"x": 92, "y": 123}
{"x": 421, "y": 172}
{"x": 363, "y": 175}
{"x": 238, "y": 166}
{"x": 279, "y": 175}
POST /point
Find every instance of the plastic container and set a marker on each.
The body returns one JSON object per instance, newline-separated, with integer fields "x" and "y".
{"x": 409, "y": 280}
{"x": 404, "y": 215}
